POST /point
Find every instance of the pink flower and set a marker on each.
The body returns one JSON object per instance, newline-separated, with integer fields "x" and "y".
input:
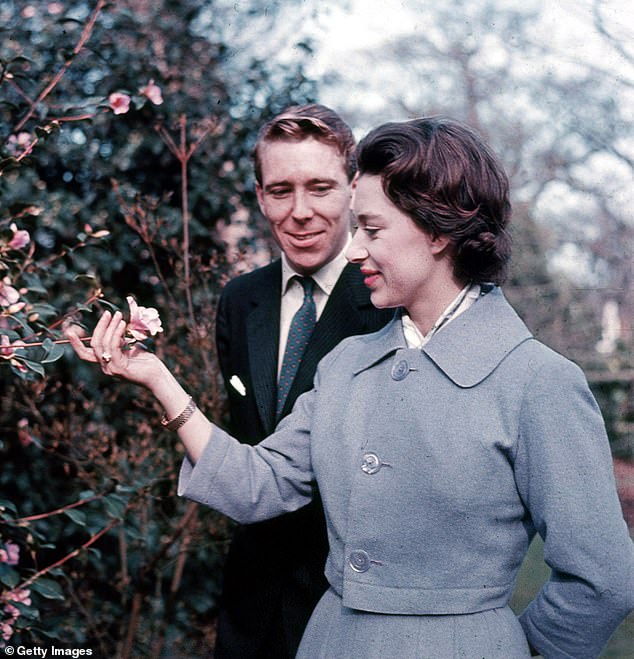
{"x": 20, "y": 238}
{"x": 152, "y": 92}
{"x": 12, "y": 611}
{"x": 22, "y": 595}
{"x": 24, "y": 435}
{"x": 18, "y": 143}
{"x": 120, "y": 103}
{"x": 6, "y": 630}
{"x": 10, "y": 554}
{"x": 8, "y": 294}
{"x": 144, "y": 321}
{"x": 7, "y": 351}
{"x": 14, "y": 308}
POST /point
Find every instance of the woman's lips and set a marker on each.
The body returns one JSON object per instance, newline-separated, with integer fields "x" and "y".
{"x": 370, "y": 277}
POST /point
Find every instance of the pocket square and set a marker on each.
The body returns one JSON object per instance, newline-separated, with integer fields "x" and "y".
{"x": 236, "y": 383}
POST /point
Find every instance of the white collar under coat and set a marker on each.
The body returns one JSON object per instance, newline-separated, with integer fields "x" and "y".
{"x": 468, "y": 349}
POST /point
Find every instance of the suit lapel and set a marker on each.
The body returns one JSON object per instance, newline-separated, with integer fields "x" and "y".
{"x": 263, "y": 329}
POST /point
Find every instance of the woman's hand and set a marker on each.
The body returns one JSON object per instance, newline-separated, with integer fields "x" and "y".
{"x": 108, "y": 349}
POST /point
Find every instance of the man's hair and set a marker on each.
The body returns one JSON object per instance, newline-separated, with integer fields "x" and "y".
{"x": 300, "y": 122}
{"x": 448, "y": 181}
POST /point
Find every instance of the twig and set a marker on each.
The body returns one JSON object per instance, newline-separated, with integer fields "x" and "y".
{"x": 183, "y": 153}
{"x": 85, "y": 35}
{"x": 58, "y": 341}
{"x": 57, "y": 511}
{"x": 95, "y": 296}
{"x": 66, "y": 558}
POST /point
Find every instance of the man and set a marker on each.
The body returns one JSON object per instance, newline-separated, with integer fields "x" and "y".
{"x": 304, "y": 167}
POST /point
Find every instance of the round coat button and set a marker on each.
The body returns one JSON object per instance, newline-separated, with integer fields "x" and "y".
{"x": 360, "y": 560}
{"x": 371, "y": 463}
{"x": 400, "y": 370}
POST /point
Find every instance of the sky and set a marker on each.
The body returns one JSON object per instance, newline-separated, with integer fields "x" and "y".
{"x": 344, "y": 33}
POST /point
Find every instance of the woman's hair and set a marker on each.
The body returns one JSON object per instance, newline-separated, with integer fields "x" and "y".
{"x": 301, "y": 122}
{"x": 441, "y": 174}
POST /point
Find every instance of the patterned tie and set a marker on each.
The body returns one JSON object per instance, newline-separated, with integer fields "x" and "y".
{"x": 301, "y": 328}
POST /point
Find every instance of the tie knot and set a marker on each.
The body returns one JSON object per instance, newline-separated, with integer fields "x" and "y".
{"x": 308, "y": 284}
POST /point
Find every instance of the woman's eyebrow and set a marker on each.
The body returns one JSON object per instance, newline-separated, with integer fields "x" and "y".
{"x": 366, "y": 217}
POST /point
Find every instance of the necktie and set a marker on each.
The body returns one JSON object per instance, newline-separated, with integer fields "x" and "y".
{"x": 301, "y": 328}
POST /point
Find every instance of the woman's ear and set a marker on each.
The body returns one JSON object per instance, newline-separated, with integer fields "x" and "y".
{"x": 439, "y": 244}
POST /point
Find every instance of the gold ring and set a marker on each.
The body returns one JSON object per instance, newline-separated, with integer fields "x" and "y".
{"x": 106, "y": 358}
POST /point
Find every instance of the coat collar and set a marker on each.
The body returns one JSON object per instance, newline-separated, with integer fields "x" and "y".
{"x": 468, "y": 349}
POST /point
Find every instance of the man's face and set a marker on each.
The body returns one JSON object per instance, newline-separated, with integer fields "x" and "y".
{"x": 305, "y": 196}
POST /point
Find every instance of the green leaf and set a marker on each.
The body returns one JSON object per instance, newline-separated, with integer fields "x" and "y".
{"x": 44, "y": 310}
{"x": 48, "y": 633}
{"x": 115, "y": 506}
{"x": 34, "y": 366}
{"x": 48, "y": 588}
{"x": 26, "y": 611}
{"x": 13, "y": 336}
{"x": 33, "y": 282}
{"x": 53, "y": 353}
{"x": 9, "y": 576}
{"x": 4, "y": 504}
{"x": 77, "y": 516}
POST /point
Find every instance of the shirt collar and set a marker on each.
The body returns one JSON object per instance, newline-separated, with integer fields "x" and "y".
{"x": 468, "y": 350}
{"x": 325, "y": 278}
{"x": 465, "y": 298}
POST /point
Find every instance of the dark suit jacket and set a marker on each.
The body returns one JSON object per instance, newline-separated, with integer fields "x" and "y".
{"x": 274, "y": 571}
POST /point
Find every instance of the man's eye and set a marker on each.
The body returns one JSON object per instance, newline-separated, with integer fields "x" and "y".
{"x": 371, "y": 231}
{"x": 321, "y": 188}
{"x": 279, "y": 192}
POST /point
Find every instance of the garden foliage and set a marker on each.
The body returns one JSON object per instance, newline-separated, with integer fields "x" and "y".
{"x": 125, "y": 139}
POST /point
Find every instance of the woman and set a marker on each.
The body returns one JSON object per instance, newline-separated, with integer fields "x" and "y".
{"x": 440, "y": 444}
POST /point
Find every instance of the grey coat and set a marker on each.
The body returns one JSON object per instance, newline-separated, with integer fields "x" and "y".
{"x": 436, "y": 467}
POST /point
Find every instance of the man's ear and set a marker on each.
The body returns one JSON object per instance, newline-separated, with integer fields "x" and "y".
{"x": 259, "y": 193}
{"x": 353, "y": 188}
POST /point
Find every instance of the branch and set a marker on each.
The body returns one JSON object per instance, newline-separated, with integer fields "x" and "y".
{"x": 85, "y": 35}
{"x": 603, "y": 31}
{"x": 32, "y": 518}
{"x": 72, "y": 554}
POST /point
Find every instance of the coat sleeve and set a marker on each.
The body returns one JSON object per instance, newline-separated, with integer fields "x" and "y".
{"x": 254, "y": 483}
{"x": 565, "y": 476}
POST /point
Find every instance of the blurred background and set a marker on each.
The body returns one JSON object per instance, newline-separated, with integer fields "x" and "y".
{"x": 153, "y": 196}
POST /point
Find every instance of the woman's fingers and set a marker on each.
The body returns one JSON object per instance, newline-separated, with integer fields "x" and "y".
{"x": 96, "y": 342}
{"x": 81, "y": 349}
{"x": 112, "y": 358}
{"x": 107, "y": 341}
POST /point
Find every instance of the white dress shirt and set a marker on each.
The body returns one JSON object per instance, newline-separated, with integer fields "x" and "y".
{"x": 293, "y": 294}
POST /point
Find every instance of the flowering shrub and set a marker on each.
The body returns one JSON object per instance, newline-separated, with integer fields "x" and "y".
{"x": 106, "y": 197}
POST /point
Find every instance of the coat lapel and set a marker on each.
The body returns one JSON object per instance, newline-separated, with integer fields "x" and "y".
{"x": 263, "y": 329}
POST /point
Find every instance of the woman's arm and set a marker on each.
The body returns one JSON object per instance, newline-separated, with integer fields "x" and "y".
{"x": 564, "y": 474}
{"x": 246, "y": 483}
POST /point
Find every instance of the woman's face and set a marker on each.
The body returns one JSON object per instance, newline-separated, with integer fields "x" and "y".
{"x": 400, "y": 262}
